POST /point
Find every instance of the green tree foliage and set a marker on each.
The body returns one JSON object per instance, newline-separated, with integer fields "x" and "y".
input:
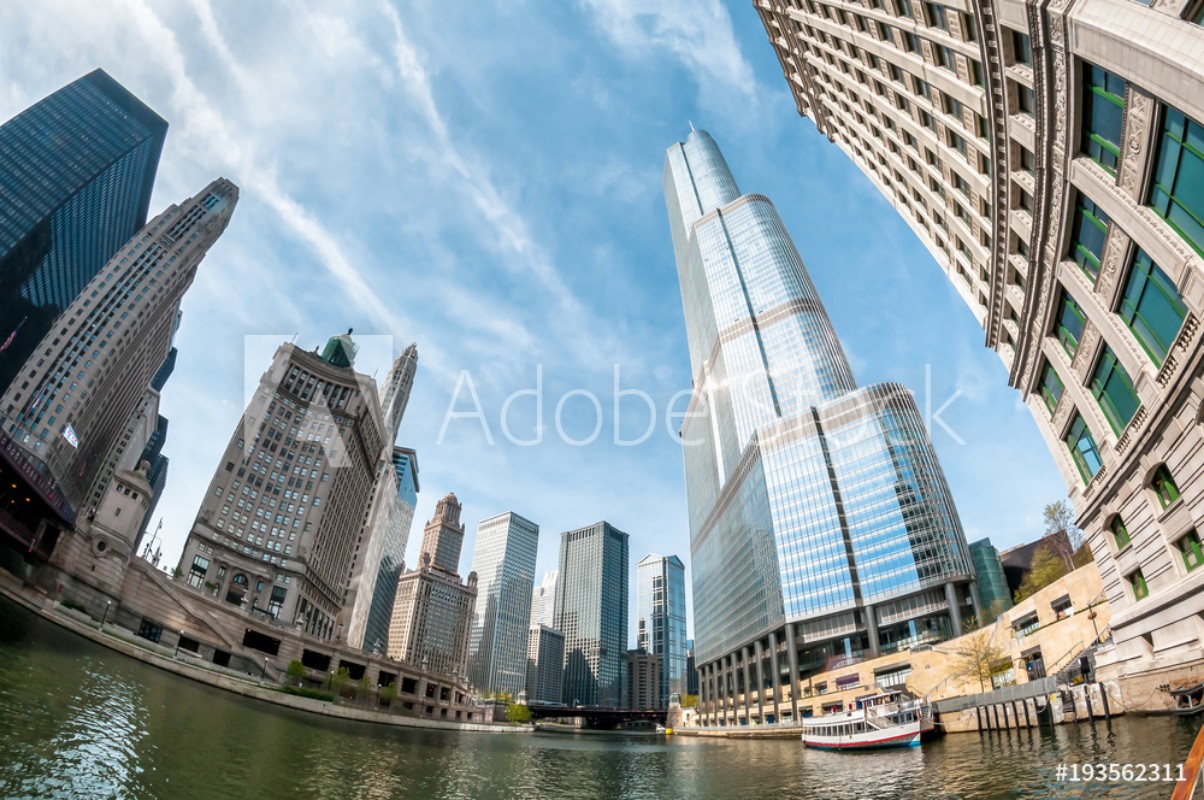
{"x": 295, "y": 672}
{"x": 1047, "y": 568}
{"x": 518, "y": 714}
{"x": 339, "y": 681}
{"x": 387, "y": 694}
{"x": 689, "y": 701}
{"x": 994, "y": 610}
{"x": 363, "y": 687}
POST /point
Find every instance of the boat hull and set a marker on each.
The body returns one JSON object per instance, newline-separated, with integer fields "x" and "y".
{"x": 864, "y": 741}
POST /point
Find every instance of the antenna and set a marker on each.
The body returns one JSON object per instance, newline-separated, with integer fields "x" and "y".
{"x": 691, "y": 125}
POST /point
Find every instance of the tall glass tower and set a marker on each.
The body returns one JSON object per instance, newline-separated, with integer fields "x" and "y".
{"x": 76, "y": 173}
{"x": 591, "y": 612}
{"x": 504, "y": 560}
{"x": 396, "y": 536}
{"x": 661, "y": 619}
{"x": 822, "y": 530}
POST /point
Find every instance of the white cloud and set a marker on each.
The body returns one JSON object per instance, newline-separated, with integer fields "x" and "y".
{"x": 698, "y": 32}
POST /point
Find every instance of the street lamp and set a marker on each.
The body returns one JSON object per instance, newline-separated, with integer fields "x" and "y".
{"x": 104, "y": 618}
{"x": 265, "y": 668}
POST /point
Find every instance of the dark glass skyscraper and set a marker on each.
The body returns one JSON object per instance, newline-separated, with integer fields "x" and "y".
{"x": 822, "y": 530}
{"x": 591, "y": 612}
{"x": 76, "y": 173}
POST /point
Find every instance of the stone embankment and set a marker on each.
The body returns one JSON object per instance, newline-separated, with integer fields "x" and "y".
{"x": 125, "y": 642}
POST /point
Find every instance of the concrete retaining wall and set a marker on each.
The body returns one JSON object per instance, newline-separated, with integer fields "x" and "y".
{"x": 1090, "y": 701}
{"x": 123, "y": 641}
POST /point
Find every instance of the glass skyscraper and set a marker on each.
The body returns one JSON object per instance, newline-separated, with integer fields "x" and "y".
{"x": 396, "y": 535}
{"x": 76, "y": 173}
{"x": 822, "y": 529}
{"x": 504, "y": 560}
{"x": 661, "y": 619}
{"x": 993, "y": 591}
{"x": 591, "y": 612}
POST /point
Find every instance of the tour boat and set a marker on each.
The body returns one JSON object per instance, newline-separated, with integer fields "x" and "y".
{"x": 882, "y": 720}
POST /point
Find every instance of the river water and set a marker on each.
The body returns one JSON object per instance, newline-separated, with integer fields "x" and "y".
{"x": 80, "y": 721}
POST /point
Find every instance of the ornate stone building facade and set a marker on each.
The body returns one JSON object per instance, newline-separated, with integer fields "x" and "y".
{"x": 1050, "y": 155}
{"x": 276, "y": 533}
{"x": 381, "y": 544}
{"x": 433, "y": 610}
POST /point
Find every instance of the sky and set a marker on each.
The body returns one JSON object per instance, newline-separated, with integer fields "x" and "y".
{"x": 486, "y": 180}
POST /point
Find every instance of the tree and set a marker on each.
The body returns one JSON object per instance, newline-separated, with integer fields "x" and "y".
{"x": 295, "y": 672}
{"x": 518, "y": 714}
{"x": 387, "y": 694}
{"x": 975, "y": 657}
{"x": 1046, "y": 568}
{"x": 1059, "y": 519}
{"x": 689, "y": 701}
{"x": 339, "y": 681}
{"x": 363, "y": 686}
{"x": 994, "y": 610}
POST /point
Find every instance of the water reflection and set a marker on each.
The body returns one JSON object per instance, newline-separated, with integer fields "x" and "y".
{"x": 79, "y": 721}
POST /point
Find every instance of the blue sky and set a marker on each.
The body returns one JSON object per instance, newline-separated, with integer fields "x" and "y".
{"x": 486, "y": 182}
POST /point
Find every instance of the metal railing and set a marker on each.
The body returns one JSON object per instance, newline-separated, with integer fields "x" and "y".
{"x": 1020, "y": 691}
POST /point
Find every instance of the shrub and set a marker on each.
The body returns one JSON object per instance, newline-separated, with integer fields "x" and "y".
{"x": 339, "y": 681}
{"x": 296, "y": 671}
{"x": 518, "y": 714}
{"x": 313, "y": 694}
{"x": 386, "y": 694}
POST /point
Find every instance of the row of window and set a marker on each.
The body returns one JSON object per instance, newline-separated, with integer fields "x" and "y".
{"x": 1176, "y": 192}
{"x": 1153, "y": 310}
{"x": 1188, "y": 545}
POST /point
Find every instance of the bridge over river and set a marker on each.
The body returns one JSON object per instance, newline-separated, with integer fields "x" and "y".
{"x": 598, "y": 717}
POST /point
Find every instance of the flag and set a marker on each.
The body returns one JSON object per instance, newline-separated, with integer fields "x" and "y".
{"x": 69, "y": 435}
{"x": 12, "y": 335}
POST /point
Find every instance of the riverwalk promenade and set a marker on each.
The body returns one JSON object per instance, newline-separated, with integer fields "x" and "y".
{"x": 181, "y": 663}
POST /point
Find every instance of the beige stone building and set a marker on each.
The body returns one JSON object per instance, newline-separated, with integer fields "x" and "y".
{"x": 433, "y": 610}
{"x": 277, "y": 531}
{"x": 74, "y": 405}
{"x": 381, "y": 543}
{"x": 1051, "y": 157}
{"x": 1039, "y": 637}
{"x": 82, "y": 407}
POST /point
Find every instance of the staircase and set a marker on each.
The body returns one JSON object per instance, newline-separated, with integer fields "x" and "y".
{"x": 1071, "y": 666}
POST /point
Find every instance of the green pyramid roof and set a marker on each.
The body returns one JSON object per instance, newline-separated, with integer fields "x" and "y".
{"x": 340, "y": 350}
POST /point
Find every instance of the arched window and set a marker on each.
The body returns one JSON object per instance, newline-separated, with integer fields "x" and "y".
{"x": 1164, "y": 486}
{"x": 1190, "y": 549}
{"x": 1120, "y": 534}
